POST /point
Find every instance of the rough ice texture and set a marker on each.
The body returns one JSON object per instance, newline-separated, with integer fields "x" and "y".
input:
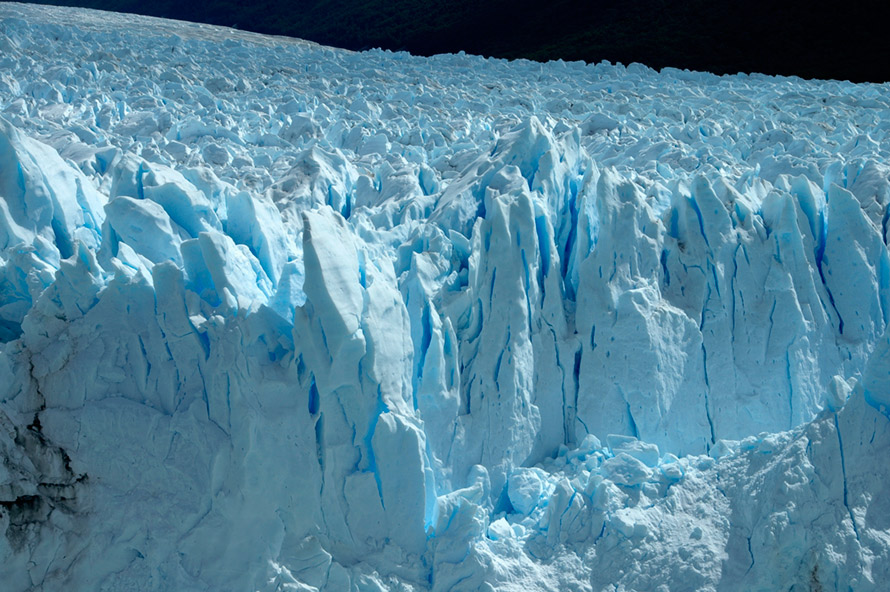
{"x": 276, "y": 316}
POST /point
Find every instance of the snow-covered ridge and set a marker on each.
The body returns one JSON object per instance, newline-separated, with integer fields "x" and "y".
{"x": 276, "y": 316}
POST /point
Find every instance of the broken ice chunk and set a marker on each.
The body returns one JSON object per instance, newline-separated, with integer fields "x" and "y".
{"x": 625, "y": 470}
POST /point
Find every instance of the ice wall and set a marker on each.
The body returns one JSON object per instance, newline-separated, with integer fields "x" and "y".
{"x": 306, "y": 319}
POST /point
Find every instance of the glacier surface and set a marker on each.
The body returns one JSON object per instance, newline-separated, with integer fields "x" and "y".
{"x": 277, "y": 316}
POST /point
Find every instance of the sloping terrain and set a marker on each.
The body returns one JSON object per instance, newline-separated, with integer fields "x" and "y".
{"x": 839, "y": 41}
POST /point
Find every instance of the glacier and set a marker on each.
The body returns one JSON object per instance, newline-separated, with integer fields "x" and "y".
{"x": 277, "y": 316}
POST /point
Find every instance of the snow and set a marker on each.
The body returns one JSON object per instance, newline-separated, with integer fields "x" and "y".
{"x": 277, "y": 316}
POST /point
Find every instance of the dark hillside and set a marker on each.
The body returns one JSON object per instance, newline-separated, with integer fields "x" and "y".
{"x": 844, "y": 40}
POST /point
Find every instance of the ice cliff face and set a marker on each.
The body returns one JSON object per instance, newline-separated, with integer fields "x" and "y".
{"x": 281, "y": 317}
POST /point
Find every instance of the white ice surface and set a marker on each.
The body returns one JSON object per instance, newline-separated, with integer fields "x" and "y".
{"x": 275, "y": 316}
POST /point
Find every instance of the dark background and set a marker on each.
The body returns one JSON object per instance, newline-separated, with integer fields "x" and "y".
{"x": 844, "y": 40}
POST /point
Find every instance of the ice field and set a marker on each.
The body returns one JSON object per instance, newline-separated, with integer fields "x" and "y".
{"x": 281, "y": 317}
